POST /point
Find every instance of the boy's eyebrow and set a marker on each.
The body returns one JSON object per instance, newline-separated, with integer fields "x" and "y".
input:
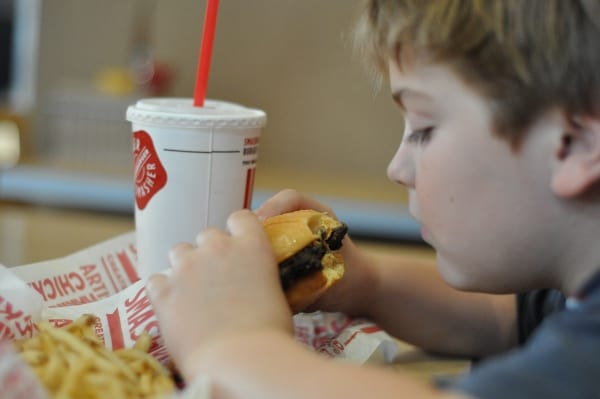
{"x": 400, "y": 94}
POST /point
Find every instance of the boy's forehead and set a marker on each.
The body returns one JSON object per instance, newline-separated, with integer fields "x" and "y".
{"x": 423, "y": 82}
{"x": 410, "y": 76}
{"x": 414, "y": 82}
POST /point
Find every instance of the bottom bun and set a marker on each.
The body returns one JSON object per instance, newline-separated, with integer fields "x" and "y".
{"x": 308, "y": 289}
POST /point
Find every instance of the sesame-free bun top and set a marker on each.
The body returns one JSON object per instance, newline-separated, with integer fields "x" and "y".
{"x": 290, "y": 232}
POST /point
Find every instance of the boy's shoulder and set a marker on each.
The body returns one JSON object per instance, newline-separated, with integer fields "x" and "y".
{"x": 560, "y": 359}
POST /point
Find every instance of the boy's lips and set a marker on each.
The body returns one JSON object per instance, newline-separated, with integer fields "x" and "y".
{"x": 425, "y": 234}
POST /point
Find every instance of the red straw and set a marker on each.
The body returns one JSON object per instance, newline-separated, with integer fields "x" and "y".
{"x": 208, "y": 35}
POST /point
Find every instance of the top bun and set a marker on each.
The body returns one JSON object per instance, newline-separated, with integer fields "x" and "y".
{"x": 291, "y": 232}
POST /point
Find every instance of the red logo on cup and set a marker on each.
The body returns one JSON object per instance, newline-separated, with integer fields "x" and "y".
{"x": 150, "y": 175}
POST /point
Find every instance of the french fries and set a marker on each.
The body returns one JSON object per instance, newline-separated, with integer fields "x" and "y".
{"x": 72, "y": 362}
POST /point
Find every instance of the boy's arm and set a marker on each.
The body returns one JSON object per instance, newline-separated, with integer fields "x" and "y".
{"x": 270, "y": 364}
{"x": 408, "y": 298}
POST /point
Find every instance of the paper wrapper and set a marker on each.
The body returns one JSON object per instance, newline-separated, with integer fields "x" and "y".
{"x": 102, "y": 280}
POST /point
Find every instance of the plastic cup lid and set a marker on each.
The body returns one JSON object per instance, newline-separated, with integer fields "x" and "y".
{"x": 180, "y": 112}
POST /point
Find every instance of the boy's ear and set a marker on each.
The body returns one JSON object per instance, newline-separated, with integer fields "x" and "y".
{"x": 578, "y": 156}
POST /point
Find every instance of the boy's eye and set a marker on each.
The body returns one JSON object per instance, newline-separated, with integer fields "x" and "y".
{"x": 420, "y": 136}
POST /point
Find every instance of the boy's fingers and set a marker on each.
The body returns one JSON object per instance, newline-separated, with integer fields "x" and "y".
{"x": 284, "y": 201}
{"x": 158, "y": 287}
{"x": 243, "y": 222}
{"x": 289, "y": 200}
{"x": 179, "y": 251}
{"x": 208, "y": 234}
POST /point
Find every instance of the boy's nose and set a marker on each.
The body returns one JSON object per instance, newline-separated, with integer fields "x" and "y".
{"x": 401, "y": 168}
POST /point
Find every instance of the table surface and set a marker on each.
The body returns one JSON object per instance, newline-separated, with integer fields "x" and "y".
{"x": 31, "y": 234}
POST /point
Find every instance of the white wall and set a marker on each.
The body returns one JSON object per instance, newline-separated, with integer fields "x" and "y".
{"x": 288, "y": 57}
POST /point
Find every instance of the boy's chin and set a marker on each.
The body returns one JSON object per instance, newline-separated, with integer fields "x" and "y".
{"x": 458, "y": 281}
{"x": 463, "y": 279}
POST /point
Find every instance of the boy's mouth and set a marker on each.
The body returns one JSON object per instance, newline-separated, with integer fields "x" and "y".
{"x": 424, "y": 233}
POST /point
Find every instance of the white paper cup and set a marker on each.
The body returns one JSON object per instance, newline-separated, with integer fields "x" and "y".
{"x": 193, "y": 167}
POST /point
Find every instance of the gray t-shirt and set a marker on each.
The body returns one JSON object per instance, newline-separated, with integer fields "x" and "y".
{"x": 559, "y": 356}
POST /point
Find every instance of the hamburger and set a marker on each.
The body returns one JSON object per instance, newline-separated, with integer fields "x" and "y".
{"x": 306, "y": 245}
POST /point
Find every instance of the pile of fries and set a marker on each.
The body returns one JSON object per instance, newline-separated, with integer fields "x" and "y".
{"x": 72, "y": 362}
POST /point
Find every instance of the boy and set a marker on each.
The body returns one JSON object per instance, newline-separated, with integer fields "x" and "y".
{"x": 501, "y": 155}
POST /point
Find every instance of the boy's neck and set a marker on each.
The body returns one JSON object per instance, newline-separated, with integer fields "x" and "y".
{"x": 576, "y": 281}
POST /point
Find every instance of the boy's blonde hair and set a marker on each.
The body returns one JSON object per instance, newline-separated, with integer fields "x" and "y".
{"x": 523, "y": 56}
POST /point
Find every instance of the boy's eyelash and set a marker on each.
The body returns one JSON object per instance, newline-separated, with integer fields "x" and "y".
{"x": 420, "y": 136}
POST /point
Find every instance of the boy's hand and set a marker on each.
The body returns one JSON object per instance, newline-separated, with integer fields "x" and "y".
{"x": 288, "y": 201}
{"x": 228, "y": 284}
{"x": 347, "y": 295}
